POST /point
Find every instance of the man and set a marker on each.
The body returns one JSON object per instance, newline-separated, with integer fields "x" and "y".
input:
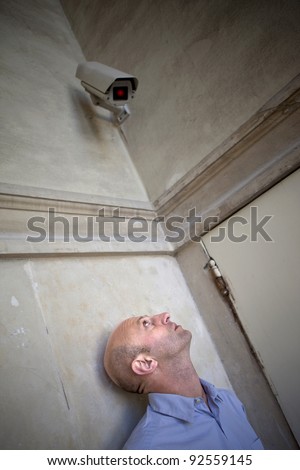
{"x": 151, "y": 355}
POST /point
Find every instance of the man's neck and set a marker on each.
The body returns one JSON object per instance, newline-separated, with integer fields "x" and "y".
{"x": 181, "y": 379}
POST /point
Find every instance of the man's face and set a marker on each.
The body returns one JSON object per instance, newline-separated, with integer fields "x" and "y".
{"x": 158, "y": 333}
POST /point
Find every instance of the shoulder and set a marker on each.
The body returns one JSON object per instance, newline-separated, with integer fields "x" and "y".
{"x": 152, "y": 431}
{"x": 141, "y": 435}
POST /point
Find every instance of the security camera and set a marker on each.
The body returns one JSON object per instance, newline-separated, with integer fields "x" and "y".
{"x": 108, "y": 87}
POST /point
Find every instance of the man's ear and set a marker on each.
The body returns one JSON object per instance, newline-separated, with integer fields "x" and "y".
{"x": 143, "y": 364}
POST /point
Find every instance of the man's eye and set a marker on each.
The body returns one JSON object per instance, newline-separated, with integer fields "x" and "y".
{"x": 146, "y": 323}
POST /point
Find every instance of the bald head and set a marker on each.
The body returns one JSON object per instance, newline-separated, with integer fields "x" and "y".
{"x": 121, "y": 350}
{"x": 139, "y": 346}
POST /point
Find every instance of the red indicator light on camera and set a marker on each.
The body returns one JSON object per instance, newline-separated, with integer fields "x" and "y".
{"x": 120, "y": 93}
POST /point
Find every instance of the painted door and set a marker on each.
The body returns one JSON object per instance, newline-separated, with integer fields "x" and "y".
{"x": 258, "y": 252}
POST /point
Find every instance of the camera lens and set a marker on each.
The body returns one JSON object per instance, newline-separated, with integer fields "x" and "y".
{"x": 120, "y": 93}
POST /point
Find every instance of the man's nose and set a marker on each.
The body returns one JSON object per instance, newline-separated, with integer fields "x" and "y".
{"x": 163, "y": 317}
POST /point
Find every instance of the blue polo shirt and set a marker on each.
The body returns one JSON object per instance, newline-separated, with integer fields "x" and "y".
{"x": 178, "y": 422}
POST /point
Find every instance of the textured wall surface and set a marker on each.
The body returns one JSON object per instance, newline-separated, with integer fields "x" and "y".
{"x": 51, "y": 134}
{"x": 57, "y": 311}
{"x": 204, "y": 69}
{"x": 56, "y": 315}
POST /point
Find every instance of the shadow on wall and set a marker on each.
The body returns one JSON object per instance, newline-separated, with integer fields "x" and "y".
{"x": 125, "y": 409}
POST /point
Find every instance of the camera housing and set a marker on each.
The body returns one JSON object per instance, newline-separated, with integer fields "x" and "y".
{"x": 108, "y": 87}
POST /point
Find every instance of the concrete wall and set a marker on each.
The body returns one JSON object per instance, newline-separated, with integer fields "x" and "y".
{"x": 204, "y": 69}
{"x": 51, "y": 135}
{"x": 56, "y": 311}
{"x": 55, "y": 318}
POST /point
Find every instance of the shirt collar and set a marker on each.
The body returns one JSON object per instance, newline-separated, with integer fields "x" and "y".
{"x": 179, "y": 406}
{"x": 210, "y": 390}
